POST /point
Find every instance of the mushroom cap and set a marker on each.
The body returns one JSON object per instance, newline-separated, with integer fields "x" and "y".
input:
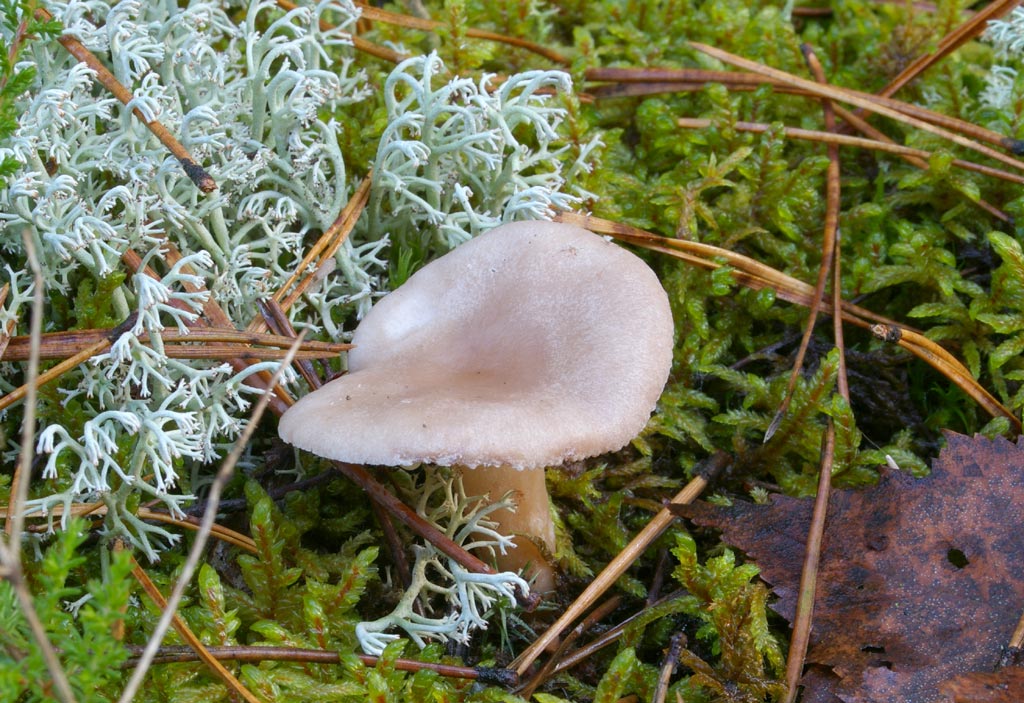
{"x": 530, "y": 345}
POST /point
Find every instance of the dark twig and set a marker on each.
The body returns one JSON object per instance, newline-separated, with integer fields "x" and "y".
{"x": 617, "y": 566}
{"x": 224, "y": 474}
{"x": 827, "y": 252}
{"x": 595, "y": 616}
{"x": 668, "y": 667}
{"x": 809, "y": 575}
{"x": 178, "y": 654}
{"x": 193, "y": 170}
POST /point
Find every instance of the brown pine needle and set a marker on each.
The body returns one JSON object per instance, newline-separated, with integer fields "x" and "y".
{"x": 828, "y": 258}
{"x": 970, "y": 29}
{"x": 367, "y": 47}
{"x": 853, "y": 98}
{"x": 193, "y": 170}
{"x": 617, "y": 566}
{"x": 322, "y": 252}
{"x": 55, "y": 372}
{"x": 275, "y": 318}
{"x": 595, "y": 616}
{"x": 216, "y": 317}
{"x": 180, "y": 626}
{"x": 809, "y": 575}
{"x": 177, "y": 654}
{"x": 370, "y": 12}
{"x": 644, "y": 81}
{"x": 946, "y": 364}
{"x": 609, "y": 636}
{"x": 60, "y": 345}
{"x": 224, "y": 534}
{"x": 754, "y": 274}
{"x": 859, "y": 142}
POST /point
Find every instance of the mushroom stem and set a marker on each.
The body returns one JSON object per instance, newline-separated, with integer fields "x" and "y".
{"x": 530, "y": 524}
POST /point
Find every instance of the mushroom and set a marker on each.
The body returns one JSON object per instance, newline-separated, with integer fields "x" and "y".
{"x": 531, "y": 345}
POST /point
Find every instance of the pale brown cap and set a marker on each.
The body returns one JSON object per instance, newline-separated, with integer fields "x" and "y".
{"x": 533, "y": 344}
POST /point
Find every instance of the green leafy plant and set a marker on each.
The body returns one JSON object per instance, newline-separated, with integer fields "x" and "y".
{"x": 81, "y": 607}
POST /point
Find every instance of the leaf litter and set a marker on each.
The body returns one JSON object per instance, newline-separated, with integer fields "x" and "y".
{"x": 921, "y": 580}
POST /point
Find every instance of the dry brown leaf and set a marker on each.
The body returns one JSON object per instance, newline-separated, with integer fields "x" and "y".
{"x": 1006, "y": 686}
{"x": 921, "y": 580}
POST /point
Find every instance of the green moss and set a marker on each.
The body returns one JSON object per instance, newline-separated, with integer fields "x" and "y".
{"x": 916, "y": 247}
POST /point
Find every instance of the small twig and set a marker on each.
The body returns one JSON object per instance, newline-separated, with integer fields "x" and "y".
{"x": 610, "y": 636}
{"x": 408, "y": 517}
{"x": 60, "y": 345}
{"x": 809, "y": 576}
{"x": 193, "y": 170}
{"x": 53, "y": 373}
{"x": 668, "y": 667}
{"x": 595, "y": 616}
{"x": 178, "y": 654}
{"x": 169, "y": 609}
{"x": 617, "y": 566}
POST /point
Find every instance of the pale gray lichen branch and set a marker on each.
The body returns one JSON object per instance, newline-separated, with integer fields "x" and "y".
{"x": 470, "y": 597}
{"x": 462, "y": 157}
{"x": 1003, "y": 88}
{"x": 252, "y": 103}
{"x": 95, "y": 184}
